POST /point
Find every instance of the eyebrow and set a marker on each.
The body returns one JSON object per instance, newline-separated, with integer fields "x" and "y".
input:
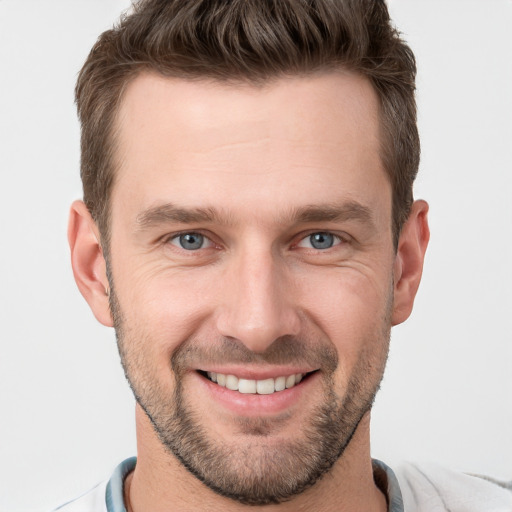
{"x": 350, "y": 210}
{"x": 170, "y": 213}
{"x": 166, "y": 213}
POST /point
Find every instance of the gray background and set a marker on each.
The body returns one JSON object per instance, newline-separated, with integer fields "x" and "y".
{"x": 66, "y": 414}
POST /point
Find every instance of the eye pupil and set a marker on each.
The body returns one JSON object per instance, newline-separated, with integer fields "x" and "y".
{"x": 322, "y": 240}
{"x": 191, "y": 241}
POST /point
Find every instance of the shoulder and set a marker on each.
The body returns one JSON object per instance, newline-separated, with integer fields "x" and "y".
{"x": 432, "y": 488}
{"x": 91, "y": 501}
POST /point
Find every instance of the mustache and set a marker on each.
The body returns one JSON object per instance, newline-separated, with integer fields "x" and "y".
{"x": 193, "y": 352}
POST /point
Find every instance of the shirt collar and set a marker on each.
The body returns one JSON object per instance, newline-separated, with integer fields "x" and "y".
{"x": 114, "y": 494}
{"x": 383, "y": 476}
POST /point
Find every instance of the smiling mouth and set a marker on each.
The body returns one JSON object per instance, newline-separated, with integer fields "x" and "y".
{"x": 260, "y": 387}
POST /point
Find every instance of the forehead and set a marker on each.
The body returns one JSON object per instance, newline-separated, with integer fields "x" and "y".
{"x": 288, "y": 142}
{"x": 305, "y": 106}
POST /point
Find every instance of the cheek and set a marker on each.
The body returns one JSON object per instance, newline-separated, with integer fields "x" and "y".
{"x": 346, "y": 297}
{"x": 165, "y": 306}
{"x": 351, "y": 308}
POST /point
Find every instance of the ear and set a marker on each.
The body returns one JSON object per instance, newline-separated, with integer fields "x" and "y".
{"x": 89, "y": 267}
{"x": 408, "y": 267}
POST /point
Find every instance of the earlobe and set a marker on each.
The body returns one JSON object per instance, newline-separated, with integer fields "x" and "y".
{"x": 88, "y": 262}
{"x": 409, "y": 259}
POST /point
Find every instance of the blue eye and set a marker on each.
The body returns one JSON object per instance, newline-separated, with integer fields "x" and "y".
{"x": 190, "y": 241}
{"x": 322, "y": 240}
{"x": 319, "y": 241}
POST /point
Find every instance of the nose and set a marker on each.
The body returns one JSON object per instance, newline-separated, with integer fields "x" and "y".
{"x": 258, "y": 301}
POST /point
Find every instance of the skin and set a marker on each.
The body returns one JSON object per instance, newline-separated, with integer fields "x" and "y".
{"x": 257, "y": 157}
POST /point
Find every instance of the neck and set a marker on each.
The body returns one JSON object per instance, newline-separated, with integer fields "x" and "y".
{"x": 160, "y": 482}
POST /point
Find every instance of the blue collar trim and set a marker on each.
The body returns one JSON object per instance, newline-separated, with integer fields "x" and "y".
{"x": 114, "y": 497}
{"x": 383, "y": 475}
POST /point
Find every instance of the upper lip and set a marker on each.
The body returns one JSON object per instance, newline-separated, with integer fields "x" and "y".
{"x": 257, "y": 373}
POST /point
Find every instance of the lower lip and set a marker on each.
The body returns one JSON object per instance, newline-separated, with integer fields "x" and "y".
{"x": 254, "y": 405}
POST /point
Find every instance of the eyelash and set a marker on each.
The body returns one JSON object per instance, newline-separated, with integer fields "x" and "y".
{"x": 177, "y": 236}
{"x": 337, "y": 240}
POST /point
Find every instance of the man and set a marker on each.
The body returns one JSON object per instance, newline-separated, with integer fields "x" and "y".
{"x": 248, "y": 227}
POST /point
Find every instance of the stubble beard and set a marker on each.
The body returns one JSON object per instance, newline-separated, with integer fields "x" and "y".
{"x": 257, "y": 471}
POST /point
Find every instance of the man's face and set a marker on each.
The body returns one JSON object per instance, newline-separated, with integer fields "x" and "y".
{"x": 251, "y": 237}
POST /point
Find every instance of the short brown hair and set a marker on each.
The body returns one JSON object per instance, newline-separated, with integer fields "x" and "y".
{"x": 254, "y": 41}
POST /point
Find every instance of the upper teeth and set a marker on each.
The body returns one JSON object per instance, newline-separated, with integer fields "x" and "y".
{"x": 262, "y": 387}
